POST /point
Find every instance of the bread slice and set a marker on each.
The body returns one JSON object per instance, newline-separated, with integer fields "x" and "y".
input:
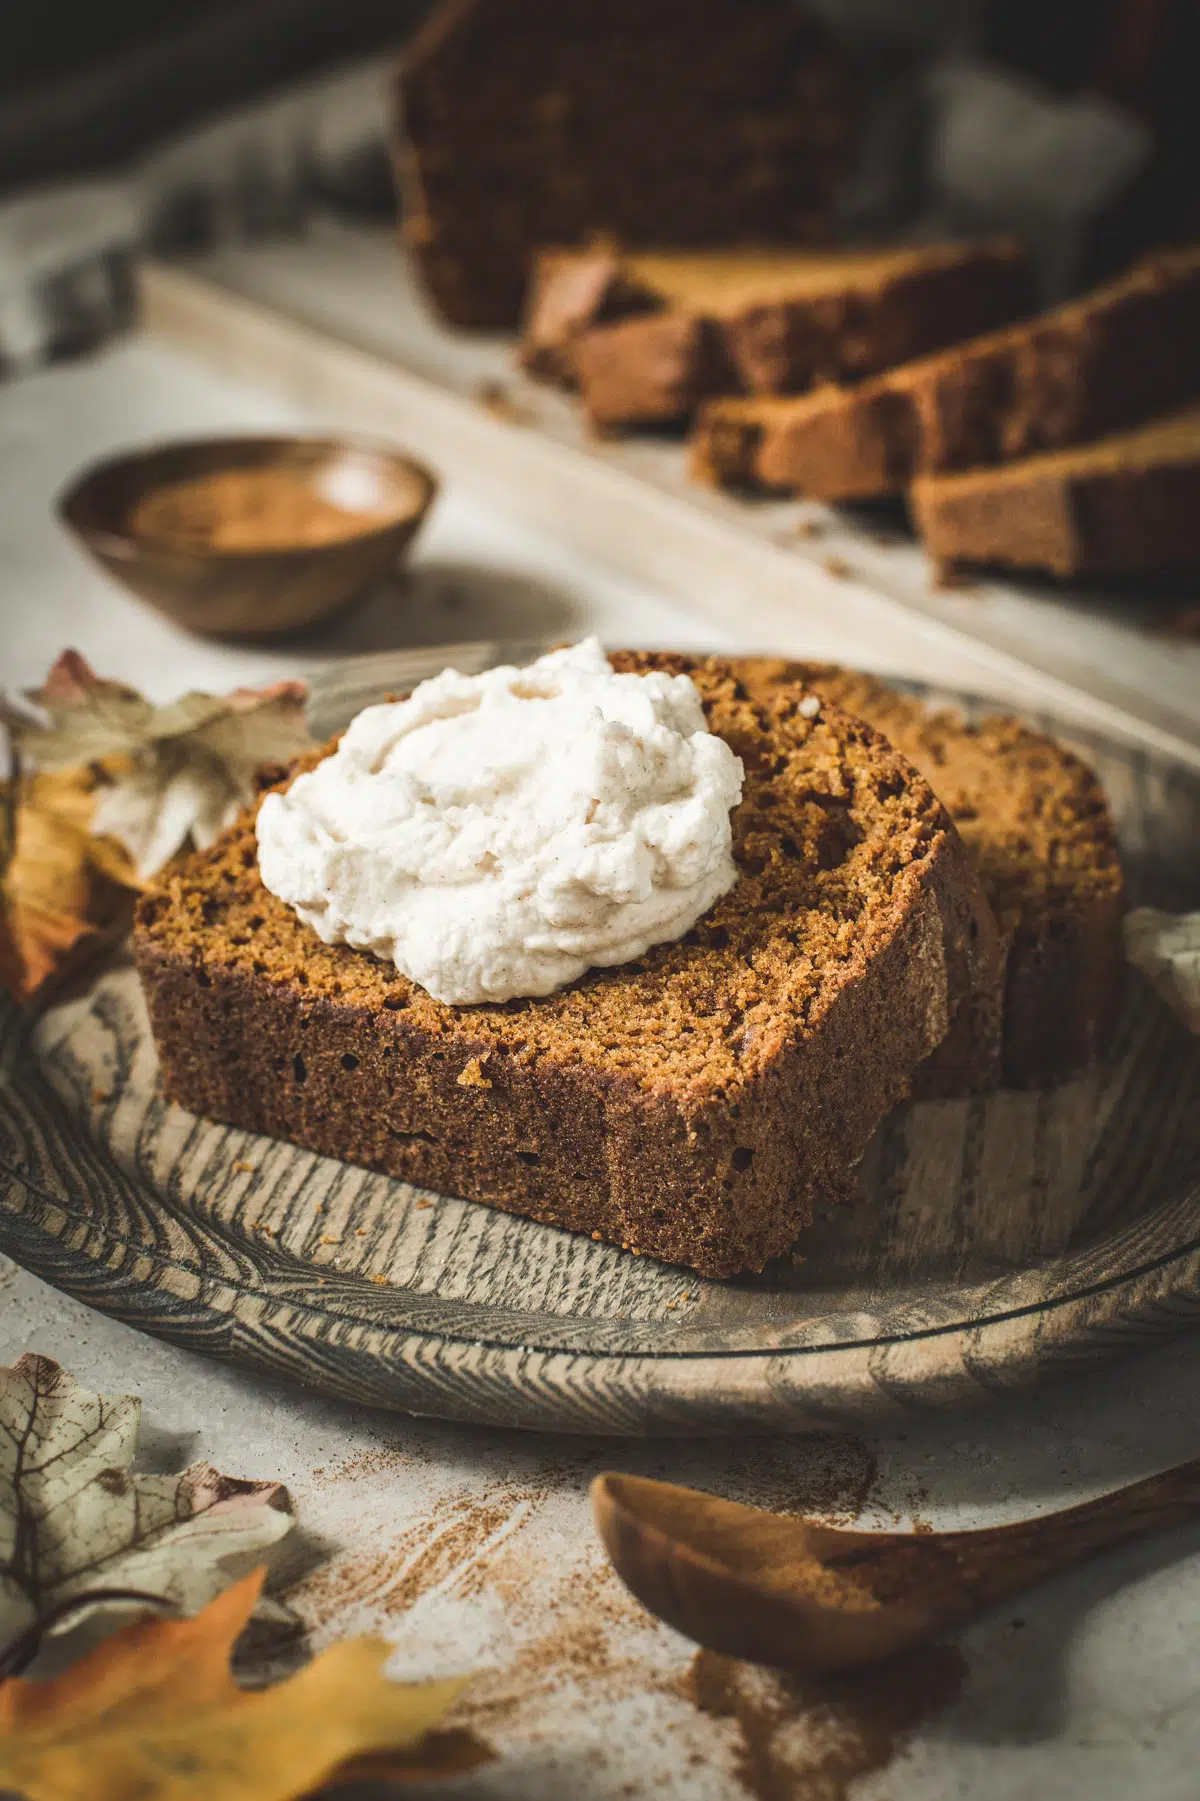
{"x": 1129, "y": 504}
{"x": 1037, "y": 827}
{"x": 652, "y": 370}
{"x": 569, "y": 292}
{"x": 785, "y": 318}
{"x": 689, "y": 1105}
{"x": 778, "y": 323}
{"x": 523, "y": 123}
{"x": 1113, "y": 358}
{"x": 834, "y": 444}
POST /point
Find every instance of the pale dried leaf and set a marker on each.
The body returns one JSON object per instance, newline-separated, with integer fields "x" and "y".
{"x": 1166, "y": 948}
{"x": 165, "y": 801}
{"x": 271, "y": 732}
{"x": 70, "y": 681}
{"x": 89, "y": 718}
{"x": 184, "y": 769}
{"x": 289, "y": 694}
{"x": 74, "y": 1519}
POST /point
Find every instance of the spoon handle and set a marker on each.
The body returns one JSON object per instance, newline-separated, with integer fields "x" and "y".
{"x": 985, "y": 1566}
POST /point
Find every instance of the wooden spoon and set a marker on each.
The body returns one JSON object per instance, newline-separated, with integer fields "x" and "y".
{"x": 806, "y": 1597}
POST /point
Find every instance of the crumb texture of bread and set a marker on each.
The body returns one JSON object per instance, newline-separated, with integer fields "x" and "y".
{"x": 651, "y": 370}
{"x": 689, "y": 1105}
{"x": 834, "y": 444}
{"x": 1124, "y": 505}
{"x": 1037, "y": 826}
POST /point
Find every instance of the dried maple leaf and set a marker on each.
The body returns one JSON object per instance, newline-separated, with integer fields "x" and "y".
{"x": 73, "y": 1519}
{"x": 154, "y": 1712}
{"x": 175, "y": 772}
{"x": 65, "y": 891}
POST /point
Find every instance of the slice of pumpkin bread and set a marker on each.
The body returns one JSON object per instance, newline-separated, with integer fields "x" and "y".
{"x": 1125, "y": 505}
{"x": 690, "y": 1105}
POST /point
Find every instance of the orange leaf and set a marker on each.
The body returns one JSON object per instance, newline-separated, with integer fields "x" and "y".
{"x": 154, "y": 1712}
{"x": 64, "y": 890}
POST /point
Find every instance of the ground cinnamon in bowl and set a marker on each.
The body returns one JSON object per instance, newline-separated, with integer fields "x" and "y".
{"x": 252, "y": 509}
{"x": 250, "y": 537}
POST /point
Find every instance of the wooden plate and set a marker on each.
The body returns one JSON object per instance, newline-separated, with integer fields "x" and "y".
{"x": 999, "y": 1240}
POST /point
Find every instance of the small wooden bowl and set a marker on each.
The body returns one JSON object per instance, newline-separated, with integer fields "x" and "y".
{"x": 252, "y": 593}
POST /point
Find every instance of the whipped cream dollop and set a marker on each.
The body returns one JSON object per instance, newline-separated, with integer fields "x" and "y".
{"x": 496, "y": 835}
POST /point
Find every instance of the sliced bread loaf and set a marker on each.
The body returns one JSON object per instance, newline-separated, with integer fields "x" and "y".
{"x": 689, "y": 1105}
{"x": 1111, "y": 359}
{"x": 694, "y": 122}
{"x": 781, "y": 319}
{"x": 778, "y": 323}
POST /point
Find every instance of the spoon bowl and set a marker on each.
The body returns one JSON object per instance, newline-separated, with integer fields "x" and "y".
{"x": 808, "y": 1597}
{"x": 744, "y": 1582}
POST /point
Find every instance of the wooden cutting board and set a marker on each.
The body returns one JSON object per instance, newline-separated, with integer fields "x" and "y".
{"x": 999, "y": 1240}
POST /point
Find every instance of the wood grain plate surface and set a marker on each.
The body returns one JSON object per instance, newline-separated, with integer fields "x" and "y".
{"x": 998, "y": 1240}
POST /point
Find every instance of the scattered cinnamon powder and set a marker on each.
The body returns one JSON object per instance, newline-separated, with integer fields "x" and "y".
{"x": 848, "y": 1590}
{"x": 812, "y": 1739}
{"x": 248, "y": 510}
{"x": 452, "y": 1544}
{"x": 837, "y": 1480}
{"x": 501, "y": 403}
{"x": 922, "y": 1568}
{"x": 576, "y": 1651}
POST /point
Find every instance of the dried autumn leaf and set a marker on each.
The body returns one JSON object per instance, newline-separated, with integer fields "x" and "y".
{"x": 65, "y": 891}
{"x": 74, "y": 1520}
{"x": 175, "y": 772}
{"x": 154, "y": 1712}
